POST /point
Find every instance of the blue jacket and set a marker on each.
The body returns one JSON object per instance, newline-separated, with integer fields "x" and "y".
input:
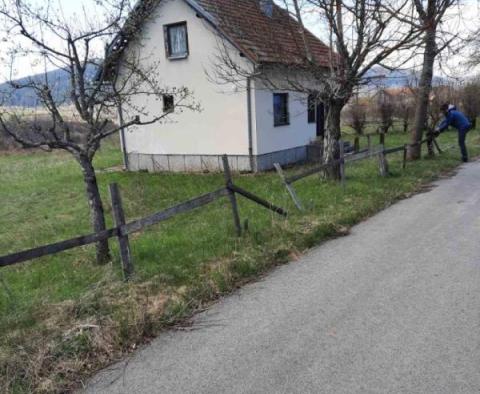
{"x": 456, "y": 119}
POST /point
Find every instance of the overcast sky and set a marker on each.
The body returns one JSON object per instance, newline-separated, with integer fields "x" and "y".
{"x": 470, "y": 11}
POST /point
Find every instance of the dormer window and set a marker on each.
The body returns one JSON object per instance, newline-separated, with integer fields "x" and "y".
{"x": 176, "y": 40}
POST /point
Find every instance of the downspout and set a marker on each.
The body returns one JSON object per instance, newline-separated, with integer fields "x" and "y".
{"x": 250, "y": 124}
{"x": 122, "y": 137}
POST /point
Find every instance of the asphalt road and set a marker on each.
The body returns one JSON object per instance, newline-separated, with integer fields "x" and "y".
{"x": 392, "y": 308}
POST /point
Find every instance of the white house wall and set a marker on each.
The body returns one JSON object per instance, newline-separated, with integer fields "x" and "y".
{"x": 270, "y": 138}
{"x": 186, "y": 140}
{"x": 286, "y": 143}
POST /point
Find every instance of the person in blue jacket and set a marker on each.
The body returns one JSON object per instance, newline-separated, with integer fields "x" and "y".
{"x": 458, "y": 120}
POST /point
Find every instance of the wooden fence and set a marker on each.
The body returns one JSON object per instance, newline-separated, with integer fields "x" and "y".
{"x": 122, "y": 230}
{"x": 357, "y": 155}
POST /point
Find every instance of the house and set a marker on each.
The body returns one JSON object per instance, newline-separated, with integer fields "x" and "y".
{"x": 251, "y": 123}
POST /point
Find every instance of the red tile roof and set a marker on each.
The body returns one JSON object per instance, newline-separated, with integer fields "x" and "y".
{"x": 264, "y": 39}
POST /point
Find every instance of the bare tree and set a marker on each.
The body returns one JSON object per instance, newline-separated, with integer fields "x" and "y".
{"x": 96, "y": 89}
{"x": 356, "y": 115}
{"x": 404, "y": 106}
{"x": 384, "y": 110}
{"x": 470, "y": 99}
{"x": 429, "y": 16}
{"x": 362, "y": 35}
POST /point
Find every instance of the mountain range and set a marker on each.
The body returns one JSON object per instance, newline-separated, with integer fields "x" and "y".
{"x": 59, "y": 80}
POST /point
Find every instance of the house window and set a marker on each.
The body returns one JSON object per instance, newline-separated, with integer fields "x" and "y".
{"x": 176, "y": 40}
{"x": 312, "y": 106}
{"x": 168, "y": 103}
{"x": 280, "y": 109}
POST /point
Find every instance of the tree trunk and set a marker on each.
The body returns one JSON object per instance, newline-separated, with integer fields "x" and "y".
{"x": 97, "y": 215}
{"x": 424, "y": 89}
{"x": 332, "y": 135}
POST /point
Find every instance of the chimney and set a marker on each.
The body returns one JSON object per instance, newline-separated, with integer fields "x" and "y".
{"x": 267, "y": 7}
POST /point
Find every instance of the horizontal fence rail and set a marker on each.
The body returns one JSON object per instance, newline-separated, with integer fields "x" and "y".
{"x": 184, "y": 207}
{"x": 378, "y": 151}
{"x": 123, "y": 230}
{"x": 57, "y": 247}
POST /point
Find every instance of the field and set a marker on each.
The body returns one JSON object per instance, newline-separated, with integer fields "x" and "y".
{"x": 63, "y": 317}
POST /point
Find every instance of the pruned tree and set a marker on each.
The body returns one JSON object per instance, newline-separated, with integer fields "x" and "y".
{"x": 470, "y": 100}
{"x": 430, "y": 14}
{"x": 362, "y": 34}
{"x": 356, "y": 115}
{"x": 384, "y": 110}
{"x": 404, "y": 106}
{"x": 41, "y": 34}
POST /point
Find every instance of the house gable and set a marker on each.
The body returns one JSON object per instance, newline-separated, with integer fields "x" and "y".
{"x": 234, "y": 120}
{"x": 272, "y": 38}
{"x": 222, "y": 124}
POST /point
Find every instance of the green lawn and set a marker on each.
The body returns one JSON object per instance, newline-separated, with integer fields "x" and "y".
{"x": 63, "y": 316}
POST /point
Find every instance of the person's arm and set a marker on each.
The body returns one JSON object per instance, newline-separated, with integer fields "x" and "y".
{"x": 444, "y": 124}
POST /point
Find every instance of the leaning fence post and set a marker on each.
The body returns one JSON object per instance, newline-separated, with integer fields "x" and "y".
{"x": 382, "y": 138}
{"x": 123, "y": 242}
{"x": 342, "y": 163}
{"x": 231, "y": 195}
{"x": 356, "y": 145}
{"x": 382, "y": 158}
{"x": 289, "y": 187}
{"x": 437, "y": 146}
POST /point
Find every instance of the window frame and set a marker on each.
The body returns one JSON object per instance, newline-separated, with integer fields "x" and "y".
{"x": 286, "y": 121}
{"x": 312, "y": 109}
{"x": 167, "y": 110}
{"x": 166, "y": 36}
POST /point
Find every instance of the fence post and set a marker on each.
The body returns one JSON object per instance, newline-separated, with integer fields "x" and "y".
{"x": 430, "y": 146}
{"x": 437, "y": 146}
{"x": 382, "y": 138}
{"x": 405, "y": 151}
{"x": 289, "y": 187}
{"x": 123, "y": 242}
{"x": 342, "y": 163}
{"x": 231, "y": 195}
{"x": 356, "y": 145}
{"x": 369, "y": 143}
{"x": 382, "y": 159}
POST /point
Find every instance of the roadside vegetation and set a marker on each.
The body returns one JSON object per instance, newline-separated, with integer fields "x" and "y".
{"x": 62, "y": 317}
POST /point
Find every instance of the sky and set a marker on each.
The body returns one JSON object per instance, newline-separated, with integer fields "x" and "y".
{"x": 451, "y": 63}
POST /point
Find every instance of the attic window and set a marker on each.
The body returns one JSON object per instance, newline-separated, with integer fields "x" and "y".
{"x": 176, "y": 40}
{"x": 168, "y": 103}
{"x": 267, "y": 7}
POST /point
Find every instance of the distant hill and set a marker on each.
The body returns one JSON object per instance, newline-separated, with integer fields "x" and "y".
{"x": 58, "y": 79}
{"x": 382, "y": 77}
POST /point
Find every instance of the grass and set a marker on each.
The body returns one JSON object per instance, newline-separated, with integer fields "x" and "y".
{"x": 63, "y": 317}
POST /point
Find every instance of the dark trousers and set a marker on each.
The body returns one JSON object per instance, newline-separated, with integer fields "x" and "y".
{"x": 462, "y": 134}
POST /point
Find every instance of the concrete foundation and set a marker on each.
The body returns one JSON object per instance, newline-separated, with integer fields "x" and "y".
{"x": 213, "y": 163}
